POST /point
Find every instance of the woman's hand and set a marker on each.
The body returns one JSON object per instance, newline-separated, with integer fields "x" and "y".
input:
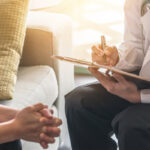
{"x": 27, "y": 121}
{"x": 50, "y": 131}
{"x": 109, "y": 56}
{"x": 121, "y": 87}
{"x": 35, "y": 124}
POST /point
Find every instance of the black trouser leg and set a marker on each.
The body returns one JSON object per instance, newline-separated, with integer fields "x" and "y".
{"x": 15, "y": 145}
{"x": 90, "y": 110}
{"x": 132, "y": 127}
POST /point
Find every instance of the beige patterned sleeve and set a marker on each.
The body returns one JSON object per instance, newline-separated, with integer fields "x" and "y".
{"x": 13, "y": 15}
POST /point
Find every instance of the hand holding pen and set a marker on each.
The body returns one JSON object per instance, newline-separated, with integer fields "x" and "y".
{"x": 105, "y": 55}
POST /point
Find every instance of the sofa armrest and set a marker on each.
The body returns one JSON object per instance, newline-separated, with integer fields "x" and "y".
{"x": 50, "y": 34}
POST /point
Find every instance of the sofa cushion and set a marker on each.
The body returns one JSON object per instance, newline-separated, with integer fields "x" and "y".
{"x": 13, "y": 14}
{"x": 34, "y": 84}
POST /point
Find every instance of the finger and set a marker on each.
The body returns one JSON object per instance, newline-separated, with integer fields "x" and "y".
{"x": 112, "y": 55}
{"x": 98, "y": 75}
{"x": 91, "y": 69}
{"x": 93, "y": 47}
{"x": 100, "y": 59}
{"x": 46, "y": 113}
{"x": 108, "y": 52}
{"x": 100, "y": 46}
{"x": 95, "y": 57}
{"x": 44, "y": 144}
{"x": 46, "y": 121}
{"x": 107, "y": 73}
{"x": 46, "y": 139}
{"x": 39, "y": 106}
{"x": 111, "y": 51}
{"x": 115, "y": 52}
{"x": 115, "y": 48}
{"x": 97, "y": 51}
{"x": 104, "y": 80}
{"x": 112, "y": 62}
{"x": 108, "y": 59}
{"x": 51, "y": 131}
{"x": 95, "y": 72}
{"x": 119, "y": 78}
{"x": 55, "y": 122}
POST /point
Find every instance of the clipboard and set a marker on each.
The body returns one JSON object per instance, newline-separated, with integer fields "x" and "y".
{"x": 141, "y": 82}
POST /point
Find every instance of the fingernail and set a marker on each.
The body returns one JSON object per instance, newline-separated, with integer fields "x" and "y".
{"x": 42, "y": 135}
{"x": 44, "y": 129}
{"x": 57, "y": 121}
{"x": 41, "y": 119}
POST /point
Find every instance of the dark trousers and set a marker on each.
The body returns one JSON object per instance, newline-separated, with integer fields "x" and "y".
{"x": 93, "y": 115}
{"x": 15, "y": 145}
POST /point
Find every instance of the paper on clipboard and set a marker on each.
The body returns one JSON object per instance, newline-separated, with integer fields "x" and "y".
{"x": 142, "y": 83}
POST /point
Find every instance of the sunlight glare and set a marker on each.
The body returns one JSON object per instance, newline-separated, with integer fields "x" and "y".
{"x": 104, "y": 17}
{"x": 91, "y": 7}
{"x": 118, "y": 28}
{"x": 87, "y": 36}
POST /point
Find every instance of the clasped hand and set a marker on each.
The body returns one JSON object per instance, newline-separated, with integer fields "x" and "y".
{"x": 36, "y": 123}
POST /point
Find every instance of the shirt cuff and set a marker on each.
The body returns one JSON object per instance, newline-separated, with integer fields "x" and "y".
{"x": 145, "y": 96}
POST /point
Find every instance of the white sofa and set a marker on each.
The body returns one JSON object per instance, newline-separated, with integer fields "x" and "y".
{"x": 41, "y": 78}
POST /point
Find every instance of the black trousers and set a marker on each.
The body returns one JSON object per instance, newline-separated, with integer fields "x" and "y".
{"x": 15, "y": 145}
{"x": 93, "y": 115}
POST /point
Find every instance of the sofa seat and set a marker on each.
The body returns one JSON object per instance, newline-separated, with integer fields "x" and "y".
{"x": 34, "y": 84}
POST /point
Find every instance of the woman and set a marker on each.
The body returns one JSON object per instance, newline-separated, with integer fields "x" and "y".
{"x": 97, "y": 110}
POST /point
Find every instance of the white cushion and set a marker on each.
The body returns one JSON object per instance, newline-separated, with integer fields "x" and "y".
{"x": 34, "y": 84}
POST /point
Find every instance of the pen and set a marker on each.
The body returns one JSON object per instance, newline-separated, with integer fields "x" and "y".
{"x": 103, "y": 42}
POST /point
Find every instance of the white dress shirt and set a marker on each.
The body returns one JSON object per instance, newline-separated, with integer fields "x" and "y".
{"x": 135, "y": 50}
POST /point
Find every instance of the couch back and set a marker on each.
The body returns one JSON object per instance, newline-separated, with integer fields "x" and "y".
{"x": 38, "y": 48}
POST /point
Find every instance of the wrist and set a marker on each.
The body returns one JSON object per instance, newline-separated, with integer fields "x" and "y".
{"x": 16, "y": 129}
{"x": 136, "y": 98}
{"x": 11, "y": 129}
{"x": 15, "y": 112}
{"x": 12, "y": 114}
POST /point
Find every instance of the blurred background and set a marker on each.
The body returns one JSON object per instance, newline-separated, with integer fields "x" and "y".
{"x": 90, "y": 18}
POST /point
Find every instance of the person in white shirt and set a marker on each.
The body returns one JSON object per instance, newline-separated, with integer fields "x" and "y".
{"x": 95, "y": 111}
